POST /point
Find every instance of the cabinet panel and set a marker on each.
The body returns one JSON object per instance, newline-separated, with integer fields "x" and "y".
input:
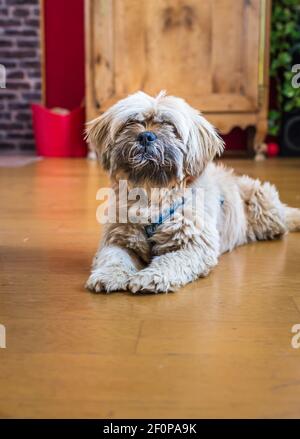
{"x": 204, "y": 51}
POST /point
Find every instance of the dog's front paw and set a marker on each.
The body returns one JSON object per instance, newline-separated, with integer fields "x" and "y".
{"x": 146, "y": 281}
{"x": 110, "y": 279}
{"x": 95, "y": 283}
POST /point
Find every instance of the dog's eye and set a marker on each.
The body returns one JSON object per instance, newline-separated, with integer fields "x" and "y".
{"x": 135, "y": 122}
{"x": 172, "y": 127}
{"x": 167, "y": 123}
{"x": 130, "y": 122}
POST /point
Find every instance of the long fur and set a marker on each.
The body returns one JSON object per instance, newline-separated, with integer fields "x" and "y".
{"x": 181, "y": 156}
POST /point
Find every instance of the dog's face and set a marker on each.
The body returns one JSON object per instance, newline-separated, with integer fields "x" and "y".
{"x": 158, "y": 141}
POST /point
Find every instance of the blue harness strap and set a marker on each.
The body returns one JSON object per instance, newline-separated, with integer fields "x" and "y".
{"x": 150, "y": 229}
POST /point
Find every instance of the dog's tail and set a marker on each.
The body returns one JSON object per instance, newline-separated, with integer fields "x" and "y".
{"x": 292, "y": 216}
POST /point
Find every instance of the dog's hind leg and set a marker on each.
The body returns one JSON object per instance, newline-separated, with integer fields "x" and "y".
{"x": 292, "y": 216}
{"x": 265, "y": 213}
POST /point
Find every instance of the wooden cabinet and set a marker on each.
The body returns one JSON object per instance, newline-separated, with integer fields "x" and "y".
{"x": 213, "y": 53}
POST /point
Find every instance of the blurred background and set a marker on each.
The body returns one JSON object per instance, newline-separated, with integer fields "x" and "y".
{"x": 62, "y": 62}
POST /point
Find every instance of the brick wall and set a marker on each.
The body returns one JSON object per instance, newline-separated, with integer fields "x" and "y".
{"x": 20, "y": 54}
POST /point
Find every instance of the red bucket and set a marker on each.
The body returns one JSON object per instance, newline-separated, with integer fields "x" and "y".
{"x": 59, "y": 135}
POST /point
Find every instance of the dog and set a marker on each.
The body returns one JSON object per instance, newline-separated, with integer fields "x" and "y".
{"x": 162, "y": 142}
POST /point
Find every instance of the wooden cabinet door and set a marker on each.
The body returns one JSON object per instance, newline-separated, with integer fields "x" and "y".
{"x": 206, "y": 51}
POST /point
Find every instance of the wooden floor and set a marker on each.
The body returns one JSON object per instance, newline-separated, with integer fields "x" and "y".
{"x": 220, "y": 347}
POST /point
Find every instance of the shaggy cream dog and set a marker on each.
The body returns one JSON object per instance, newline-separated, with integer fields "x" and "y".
{"x": 163, "y": 142}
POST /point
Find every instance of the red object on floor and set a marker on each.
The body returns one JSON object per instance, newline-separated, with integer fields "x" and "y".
{"x": 59, "y": 135}
{"x": 272, "y": 149}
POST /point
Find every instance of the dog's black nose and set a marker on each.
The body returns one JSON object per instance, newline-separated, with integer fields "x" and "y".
{"x": 146, "y": 137}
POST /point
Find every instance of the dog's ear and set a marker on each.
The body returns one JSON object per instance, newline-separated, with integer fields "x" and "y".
{"x": 98, "y": 135}
{"x": 203, "y": 144}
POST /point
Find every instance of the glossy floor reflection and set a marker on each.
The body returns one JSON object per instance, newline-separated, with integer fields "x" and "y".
{"x": 220, "y": 347}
